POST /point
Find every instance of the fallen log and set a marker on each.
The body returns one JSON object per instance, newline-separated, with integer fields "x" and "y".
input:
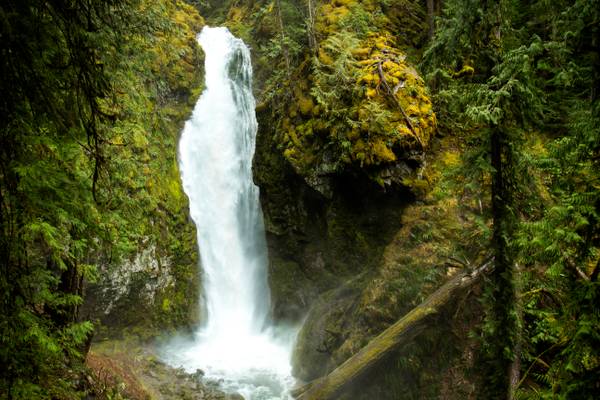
{"x": 339, "y": 380}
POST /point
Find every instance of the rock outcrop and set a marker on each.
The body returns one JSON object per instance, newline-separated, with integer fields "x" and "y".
{"x": 148, "y": 278}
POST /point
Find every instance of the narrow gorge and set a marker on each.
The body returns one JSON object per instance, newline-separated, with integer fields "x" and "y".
{"x": 299, "y": 199}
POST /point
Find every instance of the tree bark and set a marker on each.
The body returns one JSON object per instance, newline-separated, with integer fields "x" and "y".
{"x": 501, "y": 322}
{"x": 310, "y": 27}
{"x": 403, "y": 331}
{"x": 515, "y": 367}
{"x": 286, "y": 54}
{"x": 430, "y": 17}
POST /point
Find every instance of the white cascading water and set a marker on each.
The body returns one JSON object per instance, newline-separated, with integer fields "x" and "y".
{"x": 236, "y": 345}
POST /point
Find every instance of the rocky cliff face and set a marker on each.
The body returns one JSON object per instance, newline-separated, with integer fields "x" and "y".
{"x": 148, "y": 279}
{"x": 342, "y": 140}
{"x": 351, "y": 264}
{"x": 318, "y": 242}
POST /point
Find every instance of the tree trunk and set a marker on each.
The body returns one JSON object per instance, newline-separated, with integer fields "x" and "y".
{"x": 515, "y": 367}
{"x": 310, "y": 27}
{"x": 378, "y": 349}
{"x": 501, "y": 324}
{"x": 286, "y": 54}
{"x": 430, "y": 17}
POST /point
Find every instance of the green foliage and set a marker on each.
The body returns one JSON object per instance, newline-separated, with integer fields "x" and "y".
{"x": 360, "y": 21}
{"x": 563, "y": 240}
{"x": 76, "y": 120}
{"x": 334, "y": 82}
{"x": 513, "y": 70}
{"x": 51, "y": 158}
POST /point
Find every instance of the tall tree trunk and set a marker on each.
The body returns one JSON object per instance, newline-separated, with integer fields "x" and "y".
{"x": 434, "y": 9}
{"x": 501, "y": 324}
{"x": 310, "y": 26}
{"x": 515, "y": 367}
{"x": 431, "y": 17}
{"x": 286, "y": 54}
{"x": 596, "y": 69}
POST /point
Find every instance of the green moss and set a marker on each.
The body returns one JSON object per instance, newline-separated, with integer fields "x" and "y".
{"x": 306, "y": 105}
{"x": 145, "y": 185}
{"x": 359, "y": 122}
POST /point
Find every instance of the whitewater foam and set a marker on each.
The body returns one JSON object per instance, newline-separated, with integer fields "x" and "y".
{"x": 236, "y": 345}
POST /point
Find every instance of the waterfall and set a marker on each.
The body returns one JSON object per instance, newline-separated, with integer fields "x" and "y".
{"x": 215, "y": 153}
{"x": 235, "y": 345}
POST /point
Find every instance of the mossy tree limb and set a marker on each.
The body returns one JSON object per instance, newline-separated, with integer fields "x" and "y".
{"x": 403, "y": 331}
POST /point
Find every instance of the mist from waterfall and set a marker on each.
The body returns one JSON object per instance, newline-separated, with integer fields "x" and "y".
{"x": 236, "y": 344}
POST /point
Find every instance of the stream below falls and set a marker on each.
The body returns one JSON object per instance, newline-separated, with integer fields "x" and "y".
{"x": 236, "y": 346}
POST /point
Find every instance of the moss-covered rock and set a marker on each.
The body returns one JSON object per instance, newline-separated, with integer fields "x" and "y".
{"x": 325, "y": 329}
{"x": 358, "y": 105}
{"x": 315, "y": 241}
{"x": 149, "y": 279}
{"x": 434, "y": 231}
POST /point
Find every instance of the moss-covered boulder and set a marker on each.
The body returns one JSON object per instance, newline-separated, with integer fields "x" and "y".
{"x": 363, "y": 108}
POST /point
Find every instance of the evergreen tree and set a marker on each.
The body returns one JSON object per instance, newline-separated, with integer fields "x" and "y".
{"x": 52, "y": 154}
{"x": 516, "y": 68}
